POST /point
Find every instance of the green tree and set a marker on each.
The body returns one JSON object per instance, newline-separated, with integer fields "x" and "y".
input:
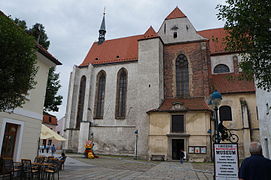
{"x": 52, "y": 100}
{"x": 40, "y": 35}
{"x": 17, "y": 64}
{"x": 20, "y": 23}
{"x": 37, "y": 31}
{"x": 248, "y": 23}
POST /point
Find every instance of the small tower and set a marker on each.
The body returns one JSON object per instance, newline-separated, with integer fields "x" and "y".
{"x": 102, "y": 31}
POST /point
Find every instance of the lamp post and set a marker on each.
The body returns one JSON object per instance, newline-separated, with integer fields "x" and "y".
{"x": 136, "y": 136}
{"x": 214, "y": 101}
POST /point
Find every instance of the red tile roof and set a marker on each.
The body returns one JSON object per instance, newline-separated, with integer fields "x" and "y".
{"x": 176, "y": 13}
{"x": 229, "y": 83}
{"x": 150, "y": 33}
{"x": 194, "y": 104}
{"x": 216, "y": 39}
{"x": 115, "y": 50}
{"x": 49, "y": 119}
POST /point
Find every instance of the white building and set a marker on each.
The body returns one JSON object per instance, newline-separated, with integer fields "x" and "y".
{"x": 20, "y": 129}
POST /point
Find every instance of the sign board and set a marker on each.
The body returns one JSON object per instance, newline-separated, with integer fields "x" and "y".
{"x": 226, "y": 161}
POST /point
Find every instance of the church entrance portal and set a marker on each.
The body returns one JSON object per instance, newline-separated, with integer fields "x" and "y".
{"x": 177, "y": 145}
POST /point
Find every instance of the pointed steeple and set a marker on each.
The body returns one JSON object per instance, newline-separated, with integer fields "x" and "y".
{"x": 102, "y": 31}
{"x": 176, "y": 13}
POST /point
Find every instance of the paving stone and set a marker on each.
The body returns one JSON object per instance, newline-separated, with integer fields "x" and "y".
{"x": 108, "y": 168}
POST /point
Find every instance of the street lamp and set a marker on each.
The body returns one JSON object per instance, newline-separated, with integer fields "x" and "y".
{"x": 214, "y": 101}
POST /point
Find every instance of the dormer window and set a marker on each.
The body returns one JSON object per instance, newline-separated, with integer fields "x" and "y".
{"x": 175, "y": 35}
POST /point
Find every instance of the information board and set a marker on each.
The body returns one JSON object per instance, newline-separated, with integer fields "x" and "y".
{"x": 226, "y": 161}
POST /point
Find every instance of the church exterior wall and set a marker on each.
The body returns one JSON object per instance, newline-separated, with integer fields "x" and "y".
{"x": 244, "y": 122}
{"x": 196, "y": 134}
{"x": 103, "y": 129}
{"x": 184, "y": 29}
{"x": 149, "y": 96}
{"x": 198, "y": 63}
{"x": 113, "y": 135}
{"x": 227, "y": 59}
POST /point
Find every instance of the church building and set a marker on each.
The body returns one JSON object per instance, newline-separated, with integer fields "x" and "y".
{"x": 147, "y": 94}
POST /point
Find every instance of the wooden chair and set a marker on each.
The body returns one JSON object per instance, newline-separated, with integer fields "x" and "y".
{"x": 7, "y": 168}
{"x": 50, "y": 171}
{"x": 28, "y": 171}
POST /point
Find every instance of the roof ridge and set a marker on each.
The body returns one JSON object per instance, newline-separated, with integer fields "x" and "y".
{"x": 120, "y": 38}
{"x": 176, "y": 13}
{"x": 211, "y": 29}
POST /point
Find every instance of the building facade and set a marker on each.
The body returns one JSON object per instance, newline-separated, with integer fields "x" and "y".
{"x": 264, "y": 111}
{"x": 20, "y": 129}
{"x": 157, "y": 84}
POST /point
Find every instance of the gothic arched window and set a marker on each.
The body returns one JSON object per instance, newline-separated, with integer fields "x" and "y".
{"x": 182, "y": 76}
{"x": 121, "y": 94}
{"x": 225, "y": 113}
{"x": 221, "y": 68}
{"x": 81, "y": 99}
{"x": 100, "y": 93}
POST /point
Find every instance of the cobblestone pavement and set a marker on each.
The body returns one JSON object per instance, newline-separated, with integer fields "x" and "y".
{"x": 116, "y": 168}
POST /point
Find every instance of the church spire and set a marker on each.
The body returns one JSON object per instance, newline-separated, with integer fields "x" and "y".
{"x": 102, "y": 30}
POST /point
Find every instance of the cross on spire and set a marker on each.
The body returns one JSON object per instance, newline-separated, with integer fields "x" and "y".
{"x": 102, "y": 30}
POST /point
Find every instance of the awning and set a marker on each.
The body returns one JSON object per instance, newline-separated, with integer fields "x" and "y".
{"x": 47, "y": 133}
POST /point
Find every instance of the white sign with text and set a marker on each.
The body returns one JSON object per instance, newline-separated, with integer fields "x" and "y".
{"x": 226, "y": 161}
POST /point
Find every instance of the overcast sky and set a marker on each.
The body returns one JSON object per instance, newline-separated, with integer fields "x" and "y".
{"x": 72, "y": 25}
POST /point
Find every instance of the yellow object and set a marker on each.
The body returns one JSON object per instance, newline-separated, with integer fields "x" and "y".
{"x": 90, "y": 155}
{"x": 47, "y": 133}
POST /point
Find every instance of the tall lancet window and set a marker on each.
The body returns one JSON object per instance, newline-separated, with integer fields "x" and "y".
{"x": 182, "y": 76}
{"x": 100, "y": 94}
{"x": 81, "y": 99}
{"x": 121, "y": 94}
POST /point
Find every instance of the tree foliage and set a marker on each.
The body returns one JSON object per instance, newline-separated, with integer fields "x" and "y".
{"x": 52, "y": 100}
{"x": 37, "y": 31}
{"x": 40, "y": 35}
{"x": 248, "y": 23}
{"x": 17, "y": 64}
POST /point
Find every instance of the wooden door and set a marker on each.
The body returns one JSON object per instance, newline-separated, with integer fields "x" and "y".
{"x": 9, "y": 140}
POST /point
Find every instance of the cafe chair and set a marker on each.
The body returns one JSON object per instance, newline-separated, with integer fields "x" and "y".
{"x": 6, "y": 169}
{"x": 28, "y": 172}
{"x": 51, "y": 170}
